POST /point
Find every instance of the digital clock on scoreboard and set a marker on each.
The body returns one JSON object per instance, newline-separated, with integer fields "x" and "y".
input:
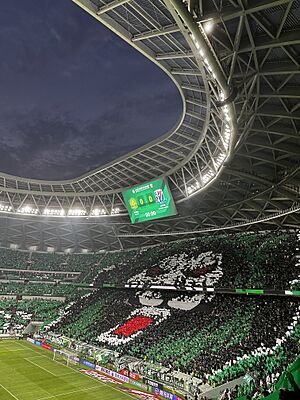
{"x": 151, "y": 200}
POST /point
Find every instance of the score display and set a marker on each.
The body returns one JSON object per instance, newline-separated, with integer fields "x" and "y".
{"x": 151, "y": 200}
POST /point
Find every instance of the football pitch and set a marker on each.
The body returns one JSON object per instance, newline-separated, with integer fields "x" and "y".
{"x": 27, "y": 372}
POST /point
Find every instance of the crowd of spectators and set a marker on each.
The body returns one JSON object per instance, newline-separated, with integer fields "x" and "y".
{"x": 13, "y": 259}
{"x": 252, "y": 260}
{"x": 219, "y": 338}
{"x": 249, "y": 260}
{"x": 21, "y": 288}
{"x": 50, "y": 261}
{"x": 227, "y": 338}
{"x": 95, "y": 313}
{"x": 15, "y": 315}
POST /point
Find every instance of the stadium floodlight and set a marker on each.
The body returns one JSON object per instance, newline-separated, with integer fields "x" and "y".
{"x": 226, "y": 110}
{"x": 4, "y": 207}
{"x": 27, "y": 210}
{"x": 207, "y": 177}
{"x": 226, "y": 113}
{"x": 96, "y": 212}
{"x": 219, "y": 160}
{"x": 76, "y": 212}
{"x": 115, "y": 211}
{"x": 54, "y": 211}
{"x": 227, "y": 137}
{"x": 208, "y": 26}
{"x": 193, "y": 187}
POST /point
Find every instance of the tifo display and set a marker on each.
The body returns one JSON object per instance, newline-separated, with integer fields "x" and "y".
{"x": 149, "y": 201}
{"x": 159, "y": 327}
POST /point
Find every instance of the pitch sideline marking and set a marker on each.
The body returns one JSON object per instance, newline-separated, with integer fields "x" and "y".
{"x": 5, "y": 350}
{"x": 9, "y": 392}
{"x": 29, "y": 358}
{"x": 79, "y": 372}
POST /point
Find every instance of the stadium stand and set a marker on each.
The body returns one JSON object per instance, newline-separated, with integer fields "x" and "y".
{"x": 217, "y": 341}
{"x": 13, "y": 259}
{"x": 16, "y": 315}
{"x": 23, "y": 260}
{"x": 246, "y": 260}
{"x": 36, "y": 288}
{"x": 230, "y": 164}
{"x": 215, "y": 338}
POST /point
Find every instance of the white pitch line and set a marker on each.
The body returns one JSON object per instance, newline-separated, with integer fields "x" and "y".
{"x": 29, "y": 358}
{"x": 79, "y": 372}
{"x": 66, "y": 393}
{"x": 8, "y": 350}
{"x": 45, "y": 369}
{"x": 9, "y": 392}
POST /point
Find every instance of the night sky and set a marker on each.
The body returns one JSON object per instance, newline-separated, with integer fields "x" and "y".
{"x": 73, "y": 95}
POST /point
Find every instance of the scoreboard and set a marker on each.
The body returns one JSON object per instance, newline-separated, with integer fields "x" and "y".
{"x": 151, "y": 200}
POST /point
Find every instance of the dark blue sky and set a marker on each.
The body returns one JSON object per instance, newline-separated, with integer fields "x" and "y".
{"x": 73, "y": 95}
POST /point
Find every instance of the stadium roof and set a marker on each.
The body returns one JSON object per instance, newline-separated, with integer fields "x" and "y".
{"x": 233, "y": 158}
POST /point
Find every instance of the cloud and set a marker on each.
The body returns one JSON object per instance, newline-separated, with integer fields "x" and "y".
{"x": 74, "y": 96}
{"x": 57, "y": 145}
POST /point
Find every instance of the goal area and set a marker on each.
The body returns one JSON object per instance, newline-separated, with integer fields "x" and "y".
{"x": 63, "y": 357}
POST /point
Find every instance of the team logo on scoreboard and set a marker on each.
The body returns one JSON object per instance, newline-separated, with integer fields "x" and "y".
{"x": 133, "y": 203}
{"x": 159, "y": 196}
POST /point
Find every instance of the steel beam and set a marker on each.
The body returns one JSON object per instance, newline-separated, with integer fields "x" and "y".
{"x": 112, "y": 5}
{"x": 155, "y": 33}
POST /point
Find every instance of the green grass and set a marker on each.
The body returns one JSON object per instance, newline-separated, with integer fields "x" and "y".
{"x": 27, "y": 372}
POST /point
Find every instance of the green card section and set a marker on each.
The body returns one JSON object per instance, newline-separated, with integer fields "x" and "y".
{"x": 151, "y": 200}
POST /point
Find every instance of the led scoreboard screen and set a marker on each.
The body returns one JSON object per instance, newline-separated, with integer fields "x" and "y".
{"x": 149, "y": 201}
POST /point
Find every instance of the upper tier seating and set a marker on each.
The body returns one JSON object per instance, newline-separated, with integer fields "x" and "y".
{"x": 16, "y": 315}
{"x": 265, "y": 260}
{"x": 249, "y": 260}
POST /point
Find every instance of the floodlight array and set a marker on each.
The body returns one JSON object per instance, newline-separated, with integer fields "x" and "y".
{"x": 76, "y": 212}
{"x": 54, "y": 211}
{"x": 219, "y": 160}
{"x": 59, "y": 212}
{"x": 219, "y": 157}
{"x": 5, "y": 208}
{"x": 96, "y": 212}
{"x": 27, "y": 210}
